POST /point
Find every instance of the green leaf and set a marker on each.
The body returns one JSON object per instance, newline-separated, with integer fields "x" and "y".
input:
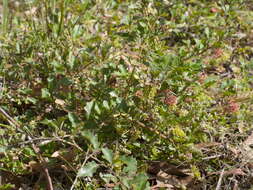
{"x": 177, "y": 131}
{"x": 45, "y": 93}
{"x": 71, "y": 60}
{"x": 96, "y": 108}
{"x": 58, "y": 67}
{"x": 88, "y": 170}
{"x": 88, "y": 108}
{"x": 31, "y": 99}
{"x": 7, "y": 186}
{"x": 73, "y": 119}
{"x": 131, "y": 163}
{"x": 92, "y": 138}
{"x": 108, "y": 154}
{"x": 2, "y": 149}
{"x": 140, "y": 182}
{"x": 51, "y": 123}
{"x": 108, "y": 178}
{"x": 196, "y": 172}
{"x": 106, "y": 105}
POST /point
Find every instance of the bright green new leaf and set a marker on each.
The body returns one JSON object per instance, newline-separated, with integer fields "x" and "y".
{"x": 7, "y": 186}
{"x": 45, "y": 93}
{"x": 32, "y": 100}
{"x": 177, "y": 131}
{"x": 196, "y": 172}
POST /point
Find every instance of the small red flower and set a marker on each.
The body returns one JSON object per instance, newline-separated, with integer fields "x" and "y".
{"x": 214, "y": 10}
{"x": 206, "y": 62}
{"x": 170, "y": 100}
{"x": 217, "y": 53}
{"x": 232, "y": 106}
{"x": 188, "y": 100}
{"x": 139, "y": 93}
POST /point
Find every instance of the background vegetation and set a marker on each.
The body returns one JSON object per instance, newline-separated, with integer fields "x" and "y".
{"x": 147, "y": 94}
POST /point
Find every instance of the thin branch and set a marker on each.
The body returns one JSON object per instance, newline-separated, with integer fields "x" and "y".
{"x": 220, "y": 180}
{"x": 212, "y": 157}
{"x": 43, "y": 164}
{"x": 48, "y": 139}
{"x": 152, "y": 130}
{"x": 66, "y": 142}
{"x": 9, "y": 118}
{"x": 84, "y": 162}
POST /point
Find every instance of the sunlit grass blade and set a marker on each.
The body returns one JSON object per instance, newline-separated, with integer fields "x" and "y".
{"x": 5, "y": 15}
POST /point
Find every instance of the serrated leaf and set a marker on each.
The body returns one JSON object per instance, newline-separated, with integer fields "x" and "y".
{"x": 92, "y": 138}
{"x": 140, "y": 182}
{"x": 88, "y": 170}
{"x": 108, "y": 178}
{"x": 108, "y": 154}
{"x": 131, "y": 163}
{"x": 88, "y": 108}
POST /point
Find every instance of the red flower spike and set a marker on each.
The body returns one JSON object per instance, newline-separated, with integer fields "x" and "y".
{"x": 217, "y": 53}
{"x": 214, "y": 10}
{"x": 139, "y": 93}
{"x": 232, "y": 106}
{"x": 170, "y": 100}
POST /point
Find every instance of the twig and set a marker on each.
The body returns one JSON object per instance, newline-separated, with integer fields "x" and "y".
{"x": 152, "y": 130}
{"x": 9, "y": 118}
{"x": 212, "y": 157}
{"x": 142, "y": 125}
{"x": 43, "y": 164}
{"x": 220, "y": 180}
{"x": 48, "y": 139}
{"x": 1, "y": 173}
{"x": 84, "y": 162}
{"x": 66, "y": 142}
{"x": 15, "y": 124}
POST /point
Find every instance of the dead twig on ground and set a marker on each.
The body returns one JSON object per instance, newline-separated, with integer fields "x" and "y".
{"x": 212, "y": 157}
{"x": 220, "y": 180}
